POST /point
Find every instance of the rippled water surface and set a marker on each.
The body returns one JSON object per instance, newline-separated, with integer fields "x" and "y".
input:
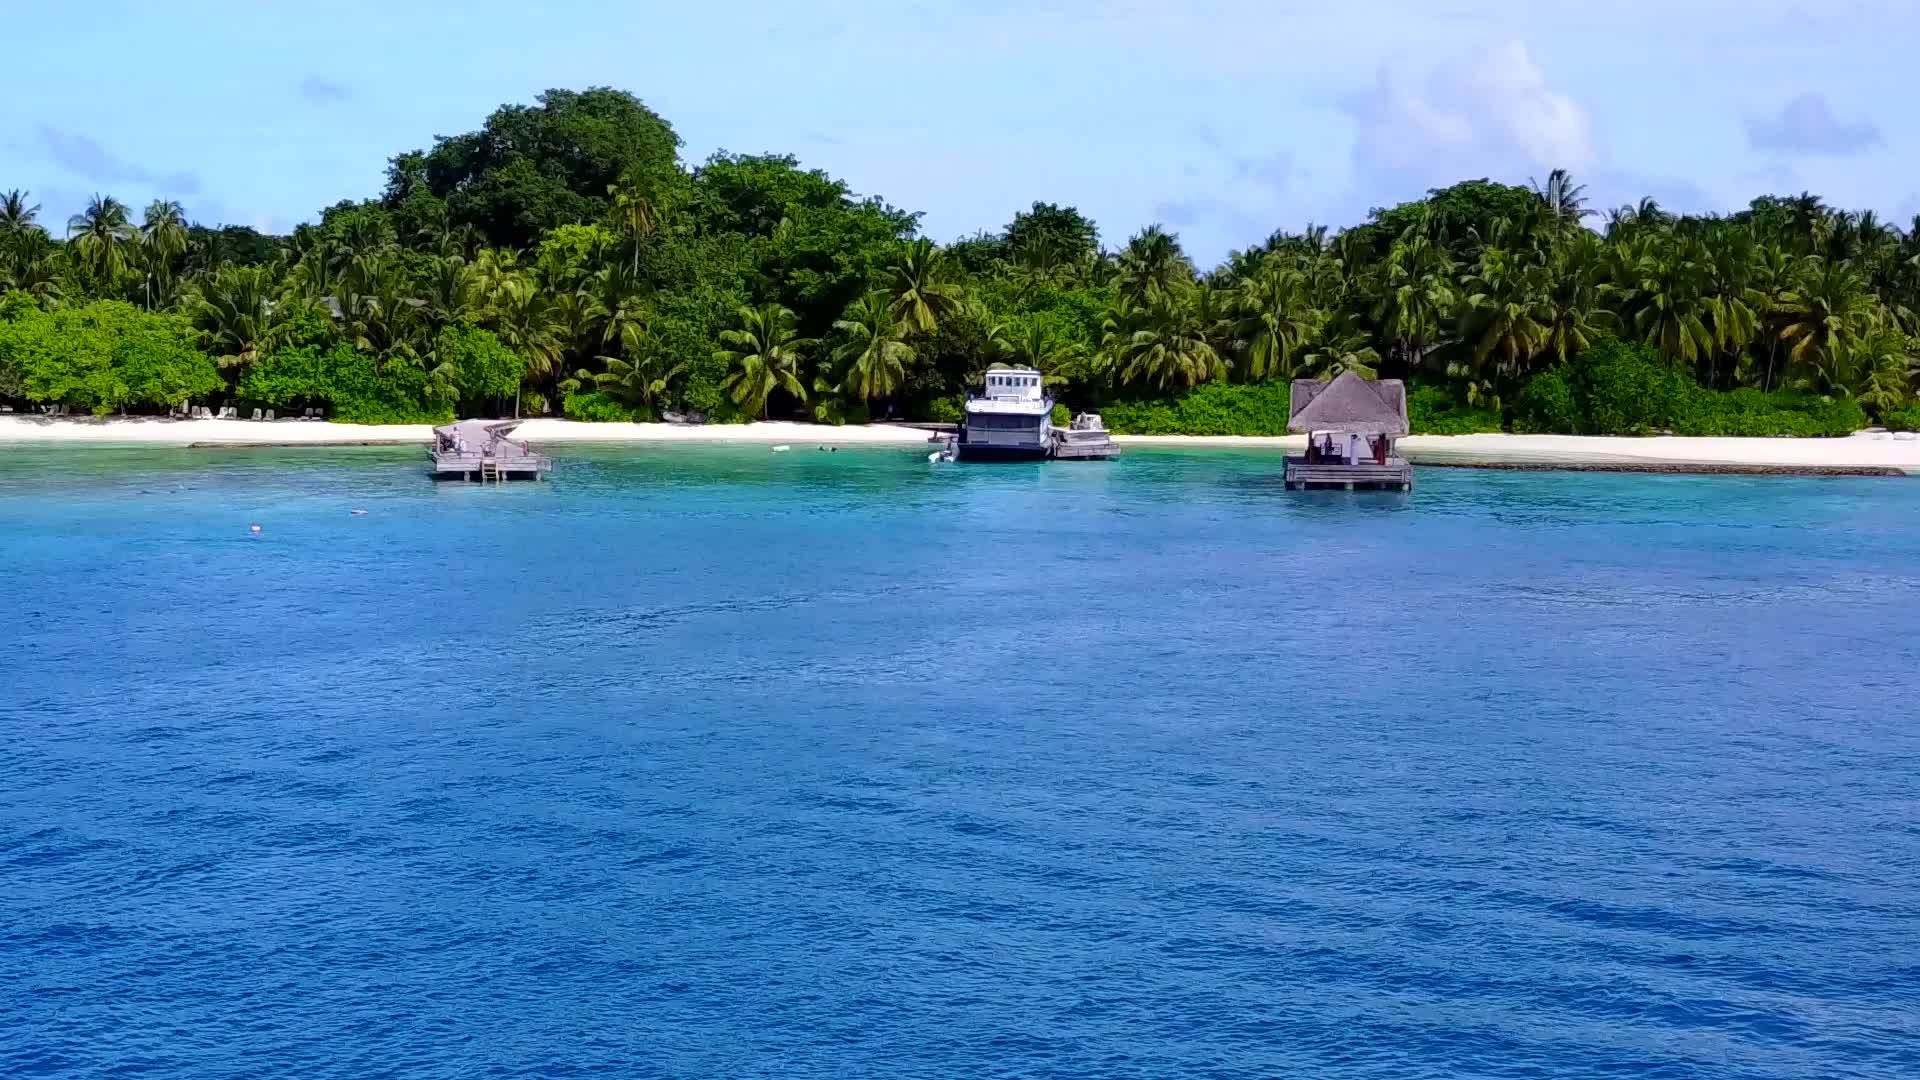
{"x": 716, "y": 762}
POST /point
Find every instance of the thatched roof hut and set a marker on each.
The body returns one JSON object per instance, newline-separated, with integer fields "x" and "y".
{"x": 1348, "y": 404}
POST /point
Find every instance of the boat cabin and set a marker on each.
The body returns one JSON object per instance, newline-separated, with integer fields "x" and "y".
{"x": 1351, "y": 425}
{"x": 1010, "y": 420}
{"x": 1013, "y": 384}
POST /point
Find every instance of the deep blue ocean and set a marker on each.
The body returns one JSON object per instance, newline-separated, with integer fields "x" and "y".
{"x": 714, "y": 762}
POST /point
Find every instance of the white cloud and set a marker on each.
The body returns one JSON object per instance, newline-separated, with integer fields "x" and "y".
{"x": 1489, "y": 114}
{"x": 1808, "y": 125}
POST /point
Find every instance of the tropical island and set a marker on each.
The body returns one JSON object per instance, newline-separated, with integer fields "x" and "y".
{"x": 562, "y": 261}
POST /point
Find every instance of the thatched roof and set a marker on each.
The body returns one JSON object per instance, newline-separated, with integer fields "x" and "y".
{"x": 1349, "y": 403}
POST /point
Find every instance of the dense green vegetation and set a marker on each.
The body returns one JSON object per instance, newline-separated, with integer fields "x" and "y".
{"x": 562, "y": 259}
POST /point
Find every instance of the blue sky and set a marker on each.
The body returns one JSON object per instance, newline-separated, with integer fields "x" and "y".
{"x": 1221, "y": 118}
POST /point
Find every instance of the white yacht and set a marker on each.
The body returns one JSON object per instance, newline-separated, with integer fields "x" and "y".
{"x": 1011, "y": 420}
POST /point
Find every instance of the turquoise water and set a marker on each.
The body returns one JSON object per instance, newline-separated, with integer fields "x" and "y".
{"x": 716, "y": 762}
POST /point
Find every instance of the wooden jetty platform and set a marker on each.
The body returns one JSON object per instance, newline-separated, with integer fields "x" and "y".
{"x": 480, "y": 450}
{"x": 1395, "y": 475}
{"x": 1350, "y": 424}
{"x": 1085, "y": 439}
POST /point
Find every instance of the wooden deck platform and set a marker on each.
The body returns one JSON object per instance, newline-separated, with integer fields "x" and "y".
{"x": 1067, "y": 450}
{"x": 1395, "y": 475}
{"x": 487, "y": 468}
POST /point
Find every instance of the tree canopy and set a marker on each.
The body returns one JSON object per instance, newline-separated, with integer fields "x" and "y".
{"x": 563, "y": 257}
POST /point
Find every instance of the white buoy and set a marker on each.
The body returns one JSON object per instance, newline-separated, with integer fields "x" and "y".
{"x": 254, "y": 529}
{"x": 782, "y": 448}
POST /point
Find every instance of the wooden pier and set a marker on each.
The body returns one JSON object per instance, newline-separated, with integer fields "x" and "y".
{"x": 1395, "y": 475}
{"x": 480, "y": 450}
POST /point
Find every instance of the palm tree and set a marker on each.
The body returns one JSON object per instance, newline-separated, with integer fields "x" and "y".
{"x": 764, "y": 351}
{"x": 450, "y": 290}
{"x": 1880, "y": 362}
{"x": 1573, "y": 312}
{"x": 1662, "y": 286}
{"x": 100, "y": 235}
{"x": 1417, "y": 296}
{"x": 1117, "y": 326}
{"x": 1774, "y": 271}
{"x": 1172, "y": 348}
{"x": 1563, "y": 201}
{"x": 1502, "y": 320}
{"x": 1035, "y": 345}
{"x": 164, "y": 228}
{"x": 576, "y": 318}
{"x": 16, "y": 217}
{"x": 1273, "y": 319}
{"x": 378, "y": 312}
{"x": 623, "y": 310}
{"x": 234, "y": 311}
{"x": 919, "y": 287}
{"x": 640, "y": 379}
{"x": 1735, "y": 308}
{"x": 519, "y": 315}
{"x": 635, "y": 214}
{"x": 163, "y": 240}
{"x": 1825, "y": 312}
{"x": 27, "y": 265}
{"x": 1809, "y": 222}
{"x": 1153, "y": 263}
{"x": 872, "y": 356}
{"x": 1339, "y": 348}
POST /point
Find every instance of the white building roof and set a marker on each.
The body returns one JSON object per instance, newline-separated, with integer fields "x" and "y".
{"x": 1017, "y": 406}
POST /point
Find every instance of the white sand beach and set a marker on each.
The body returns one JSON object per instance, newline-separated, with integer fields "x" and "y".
{"x": 1867, "y": 450}
{"x": 164, "y": 431}
{"x": 1864, "y": 450}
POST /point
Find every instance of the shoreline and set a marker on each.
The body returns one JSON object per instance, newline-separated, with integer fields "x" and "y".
{"x": 1862, "y": 454}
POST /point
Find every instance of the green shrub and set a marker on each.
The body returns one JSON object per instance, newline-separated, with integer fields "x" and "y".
{"x": 600, "y": 408}
{"x": 348, "y": 382}
{"x": 1621, "y": 388}
{"x": 487, "y": 371}
{"x": 533, "y": 403}
{"x": 1062, "y": 416}
{"x": 946, "y": 410}
{"x": 1547, "y": 405}
{"x": 1625, "y": 389}
{"x": 1209, "y": 409}
{"x": 838, "y": 411}
{"x": 1753, "y": 413}
{"x": 1438, "y": 410}
{"x": 105, "y": 357}
{"x": 1907, "y": 419}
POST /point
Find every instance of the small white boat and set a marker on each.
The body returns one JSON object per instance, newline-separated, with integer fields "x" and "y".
{"x": 1086, "y": 439}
